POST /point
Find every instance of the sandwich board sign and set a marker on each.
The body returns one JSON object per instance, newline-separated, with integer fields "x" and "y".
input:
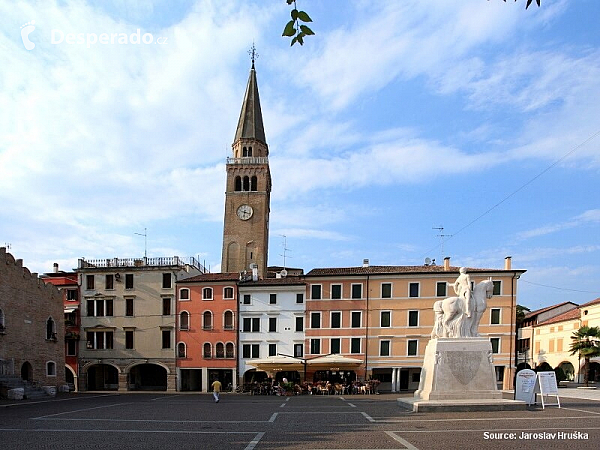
{"x": 546, "y": 386}
{"x": 525, "y": 386}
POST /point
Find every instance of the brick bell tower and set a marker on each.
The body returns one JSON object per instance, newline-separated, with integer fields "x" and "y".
{"x": 248, "y": 190}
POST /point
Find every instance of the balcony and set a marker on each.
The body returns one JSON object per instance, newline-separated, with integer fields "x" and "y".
{"x": 249, "y": 160}
{"x": 140, "y": 262}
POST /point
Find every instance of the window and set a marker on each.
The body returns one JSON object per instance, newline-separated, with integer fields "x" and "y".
{"x": 166, "y": 281}
{"x": 412, "y": 347}
{"x": 129, "y": 307}
{"x": 250, "y": 350}
{"x": 166, "y": 306}
{"x": 2, "y": 321}
{"x": 228, "y": 292}
{"x": 336, "y": 291}
{"x": 129, "y": 281}
{"x": 184, "y": 294}
{"x": 299, "y": 298}
{"x": 184, "y": 320}
{"x": 386, "y": 290}
{"x": 336, "y": 319}
{"x": 251, "y": 324}
{"x": 228, "y": 320}
{"x": 247, "y": 299}
{"x": 50, "y": 329}
{"x": 497, "y": 288}
{"x": 272, "y": 324}
{"x": 206, "y": 351}
{"x": 129, "y": 339}
{"x": 315, "y": 320}
{"x": 220, "y": 350}
{"x": 315, "y": 346}
{"x": 272, "y": 349}
{"x": 495, "y": 316}
{"x": 229, "y": 352}
{"x": 71, "y": 345}
{"x": 356, "y": 319}
{"x": 181, "y": 350}
{"x": 495, "y": 345}
{"x": 315, "y": 291}
{"x": 89, "y": 282}
{"x": 413, "y": 318}
{"x": 385, "y": 320}
{"x": 298, "y": 350}
{"x": 51, "y": 369}
{"x": 72, "y": 295}
{"x": 355, "y": 345}
{"x": 335, "y": 346}
{"x": 99, "y": 340}
{"x": 166, "y": 339}
{"x": 413, "y": 289}
{"x": 441, "y": 289}
{"x": 109, "y": 282}
{"x": 299, "y": 323}
{"x": 207, "y": 293}
{"x": 384, "y": 348}
{"x": 357, "y": 291}
{"x": 272, "y": 299}
{"x": 207, "y": 323}
{"x": 100, "y": 307}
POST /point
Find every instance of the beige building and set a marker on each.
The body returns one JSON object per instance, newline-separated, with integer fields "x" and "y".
{"x": 32, "y": 330}
{"x": 128, "y": 322}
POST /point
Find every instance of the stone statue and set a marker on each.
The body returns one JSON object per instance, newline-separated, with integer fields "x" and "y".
{"x": 459, "y": 317}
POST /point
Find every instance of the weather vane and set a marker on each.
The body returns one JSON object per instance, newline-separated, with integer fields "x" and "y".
{"x": 253, "y": 54}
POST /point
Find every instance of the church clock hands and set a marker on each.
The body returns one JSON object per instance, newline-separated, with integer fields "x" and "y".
{"x": 244, "y": 212}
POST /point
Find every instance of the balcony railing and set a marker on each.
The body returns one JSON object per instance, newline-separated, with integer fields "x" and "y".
{"x": 248, "y": 160}
{"x": 141, "y": 262}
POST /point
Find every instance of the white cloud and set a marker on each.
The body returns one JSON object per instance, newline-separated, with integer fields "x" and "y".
{"x": 589, "y": 217}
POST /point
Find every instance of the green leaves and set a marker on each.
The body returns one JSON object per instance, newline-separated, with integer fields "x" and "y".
{"x": 294, "y": 29}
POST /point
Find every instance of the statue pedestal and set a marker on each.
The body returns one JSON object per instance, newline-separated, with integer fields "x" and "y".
{"x": 458, "y": 375}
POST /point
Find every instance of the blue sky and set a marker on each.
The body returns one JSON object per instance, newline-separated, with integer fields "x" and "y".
{"x": 477, "y": 116}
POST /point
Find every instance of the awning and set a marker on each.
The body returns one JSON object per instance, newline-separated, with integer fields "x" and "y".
{"x": 276, "y": 363}
{"x": 334, "y": 362}
{"x": 70, "y": 310}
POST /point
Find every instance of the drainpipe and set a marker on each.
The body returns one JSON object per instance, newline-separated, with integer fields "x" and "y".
{"x": 367, "y": 331}
{"x": 513, "y": 307}
{"x": 237, "y": 336}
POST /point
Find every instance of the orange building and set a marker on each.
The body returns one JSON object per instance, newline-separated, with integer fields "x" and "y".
{"x": 206, "y": 333}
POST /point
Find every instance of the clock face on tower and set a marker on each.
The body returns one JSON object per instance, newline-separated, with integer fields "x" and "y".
{"x": 244, "y": 212}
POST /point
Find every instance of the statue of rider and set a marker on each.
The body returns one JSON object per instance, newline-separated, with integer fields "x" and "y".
{"x": 462, "y": 287}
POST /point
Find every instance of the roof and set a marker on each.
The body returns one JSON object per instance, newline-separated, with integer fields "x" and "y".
{"x": 593, "y": 302}
{"x": 250, "y": 124}
{"x": 384, "y": 270}
{"x": 284, "y": 281}
{"x": 547, "y": 308}
{"x": 572, "y": 314}
{"x": 207, "y": 277}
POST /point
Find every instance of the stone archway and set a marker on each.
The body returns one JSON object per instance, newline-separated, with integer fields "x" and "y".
{"x": 148, "y": 377}
{"x": 568, "y": 369}
{"x": 102, "y": 377}
{"x": 27, "y": 371}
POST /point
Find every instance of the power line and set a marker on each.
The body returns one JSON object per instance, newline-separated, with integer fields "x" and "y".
{"x": 561, "y": 288}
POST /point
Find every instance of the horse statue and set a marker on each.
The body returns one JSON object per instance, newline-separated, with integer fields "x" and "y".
{"x": 452, "y": 320}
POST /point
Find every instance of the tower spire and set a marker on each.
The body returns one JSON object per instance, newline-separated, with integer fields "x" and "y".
{"x": 250, "y": 124}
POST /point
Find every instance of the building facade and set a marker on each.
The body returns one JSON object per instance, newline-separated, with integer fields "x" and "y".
{"x": 32, "y": 328}
{"x": 128, "y": 322}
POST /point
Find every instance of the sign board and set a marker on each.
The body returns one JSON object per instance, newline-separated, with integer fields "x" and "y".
{"x": 546, "y": 386}
{"x": 525, "y": 386}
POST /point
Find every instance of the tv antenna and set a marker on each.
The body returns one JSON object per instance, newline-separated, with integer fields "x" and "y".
{"x": 285, "y": 249}
{"x": 145, "y": 241}
{"x": 441, "y": 236}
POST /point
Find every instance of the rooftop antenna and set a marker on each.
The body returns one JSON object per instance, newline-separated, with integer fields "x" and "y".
{"x": 441, "y": 236}
{"x": 145, "y": 241}
{"x": 285, "y": 249}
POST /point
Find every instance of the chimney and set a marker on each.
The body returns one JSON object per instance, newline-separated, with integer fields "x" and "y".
{"x": 446, "y": 263}
{"x": 365, "y": 262}
{"x": 508, "y": 263}
{"x": 55, "y": 267}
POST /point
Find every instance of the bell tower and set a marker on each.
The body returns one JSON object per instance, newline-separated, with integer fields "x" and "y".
{"x": 248, "y": 189}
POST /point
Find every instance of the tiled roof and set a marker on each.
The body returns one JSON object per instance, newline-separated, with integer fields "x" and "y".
{"x": 204, "y": 277}
{"x": 379, "y": 270}
{"x": 542, "y": 310}
{"x": 593, "y": 302}
{"x": 287, "y": 281}
{"x": 572, "y": 314}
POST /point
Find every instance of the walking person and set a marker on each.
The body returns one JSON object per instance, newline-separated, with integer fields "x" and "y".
{"x": 216, "y": 387}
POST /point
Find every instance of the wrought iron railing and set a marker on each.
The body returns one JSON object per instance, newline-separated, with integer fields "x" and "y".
{"x": 141, "y": 262}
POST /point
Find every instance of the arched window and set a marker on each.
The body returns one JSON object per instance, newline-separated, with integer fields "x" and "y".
{"x": 207, "y": 350}
{"x": 181, "y": 350}
{"x": 207, "y": 320}
{"x": 238, "y": 183}
{"x": 51, "y": 369}
{"x": 220, "y": 350}
{"x": 207, "y": 293}
{"x": 246, "y": 184}
{"x": 228, "y": 320}
{"x": 50, "y": 329}
{"x": 249, "y": 151}
{"x": 184, "y": 320}
{"x": 184, "y": 294}
{"x": 229, "y": 350}
{"x": 253, "y": 184}
{"x": 245, "y": 152}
